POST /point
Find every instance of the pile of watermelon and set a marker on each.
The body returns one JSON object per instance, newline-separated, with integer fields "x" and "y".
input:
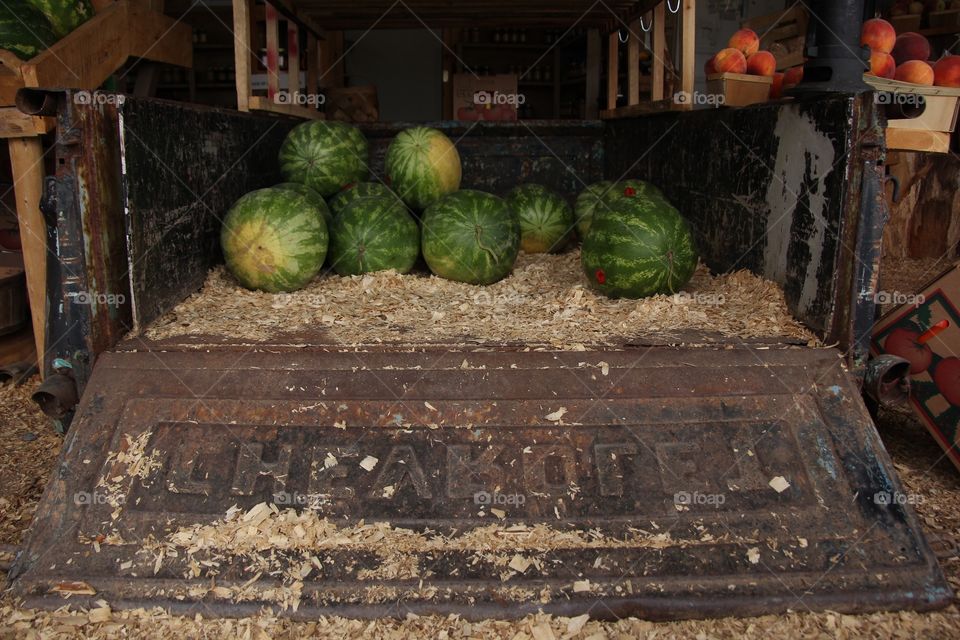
{"x": 634, "y": 242}
{"x": 27, "y": 27}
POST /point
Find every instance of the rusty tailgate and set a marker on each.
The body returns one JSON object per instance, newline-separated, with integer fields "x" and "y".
{"x": 661, "y": 482}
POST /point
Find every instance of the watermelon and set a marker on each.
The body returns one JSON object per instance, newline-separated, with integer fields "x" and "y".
{"x": 274, "y": 240}
{"x": 587, "y": 203}
{"x": 629, "y": 188}
{"x": 639, "y": 247}
{"x": 374, "y": 234}
{"x": 470, "y": 236}
{"x": 359, "y": 190}
{"x": 24, "y": 31}
{"x": 325, "y": 156}
{"x": 312, "y": 197}
{"x": 64, "y": 15}
{"x": 422, "y": 165}
{"x": 546, "y": 219}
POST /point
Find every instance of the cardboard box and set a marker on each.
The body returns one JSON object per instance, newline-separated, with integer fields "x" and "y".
{"x": 935, "y": 365}
{"x": 485, "y": 97}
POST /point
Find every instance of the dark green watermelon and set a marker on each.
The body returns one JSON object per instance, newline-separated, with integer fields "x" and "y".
{"x": 64, "y": 15}
{"x": 273, "y": 240}
{"x": 24, "y": 30}
{"x": 470, "y": 236}
{"x": 632, "y": 188}
{"x": 375, "y": 233}
{"x": 546, "y": 219}
{"x": 312, "y": 197}
{"x": 638, "y": 248}
{"x": 325, "y": 156}
{"x": 587, "y": 203}
{"x": 359, "y": 190}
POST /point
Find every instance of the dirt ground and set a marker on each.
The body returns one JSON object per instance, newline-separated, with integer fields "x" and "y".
{"x": 28, "y": 450}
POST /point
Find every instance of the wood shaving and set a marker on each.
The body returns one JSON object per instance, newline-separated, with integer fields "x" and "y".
{"x": 546, "y": 301}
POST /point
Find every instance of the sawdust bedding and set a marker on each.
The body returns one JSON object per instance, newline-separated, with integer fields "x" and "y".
{"x": 900, "y": 277}
{"x": 546, "y": 301}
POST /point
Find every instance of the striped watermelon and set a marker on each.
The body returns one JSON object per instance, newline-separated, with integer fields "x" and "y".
{"x": 64, "y": 15}
{"x": 375, "y": 233}
{"x": 273, "y": 240}
{"x": 324, "y": 155}
{"x": 546, "y": 219}
{"x": 24, "y": 30}
{"x": 312, "y": 197}
{"x": 640, "y": 247}
{"x": 359, "y": 190}
{"x": 422, "y": 165}
{"x": 587, "y": 203}
{"x": 630, "y": 188}
{"x": 470, "y": 236}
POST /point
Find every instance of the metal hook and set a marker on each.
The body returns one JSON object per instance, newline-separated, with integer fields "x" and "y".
{"x": 643, "y": 28}
{"x": 620, "y": 36}
{"x": 672, "y": 10}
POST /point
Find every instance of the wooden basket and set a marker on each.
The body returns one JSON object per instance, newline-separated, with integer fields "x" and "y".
{"x": 902, "y": 24}
{"x": 930, "y": 131}
{"x": 945, "y": 19}
{"x": 739, "y": 89}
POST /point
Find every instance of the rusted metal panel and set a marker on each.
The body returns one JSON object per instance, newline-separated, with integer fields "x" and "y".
{"x": 497, "y": 156}
{"x": 695, "y": 482}
{"x": 776, "y": 189}
{"x": 184, "y": 166}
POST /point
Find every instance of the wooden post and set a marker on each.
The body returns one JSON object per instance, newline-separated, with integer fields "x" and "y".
{"x": 293, "y": 61}
{"x": 613, "y": 71}
{"x": 633, "y": 63}
{"x": 26, "y": 161}
{"x": 273, "y": 53}
{"x": 659, "y": 51}
{"x": 688, "y": 53}
{"x": 241, "y": 52}
{"x": 592, "y": 81}
{"x": 313, "y": 63}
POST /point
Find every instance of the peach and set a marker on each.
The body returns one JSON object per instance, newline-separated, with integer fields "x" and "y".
{"x": 776, "y": 89}
{"x": 911, "y": 46}
{"x": 915, "y": 71}
{"x": 879, "y": 35}
{"x": 946, "y": 73}
{"x": 710, "y": 67}
{"x": 793, "y": 77}
{"x": 762, "y": 63}
{"x": 746, "y": 41}
{"x": 882, "y": 65}
{"x": 730, "y": 61}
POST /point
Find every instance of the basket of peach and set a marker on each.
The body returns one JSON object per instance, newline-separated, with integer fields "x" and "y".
{"x": 742, "y": 73}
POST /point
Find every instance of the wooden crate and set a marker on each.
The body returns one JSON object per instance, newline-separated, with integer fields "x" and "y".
{"x": 247, "y": 33}
{"x": 945, "y": 19}
{"x": 739, "y": 89}
{"x": 784, "y": 34}
{"x": 910, "y": 22}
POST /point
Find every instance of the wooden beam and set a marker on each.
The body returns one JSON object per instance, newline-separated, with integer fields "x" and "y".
{"x": 633, "y": 63}
{"x": 26, "y": 161}
{"x": 592, "y": 81}
{"x": 313, "y": 64}
{"x": 634, "y": 110}
{"x": 688, "y": 51}
{"x": 16, "y": 124}
{"x": 659, "y": 51}
{"x": 96, "y": 49}
{"x": 241, "y": 51}
{"x": 273, "y": 52}
{"x": 613, "y": 70}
